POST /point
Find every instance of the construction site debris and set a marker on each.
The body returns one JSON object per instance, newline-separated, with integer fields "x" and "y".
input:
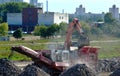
{"x": 78, "y": 70}
{"x": 32, "y": 70}
{"x": 116, "y": 73}
{"x": 7, "y": 68}
{"x": 108, "y": 65}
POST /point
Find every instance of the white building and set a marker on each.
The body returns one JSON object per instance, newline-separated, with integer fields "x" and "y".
{"x": 4, "y": 1}
{"x": 14, "y": 18}
{"x": 115, "y": 11}
{"x": 49, "y": 18}
{"x": 80, "y": 10}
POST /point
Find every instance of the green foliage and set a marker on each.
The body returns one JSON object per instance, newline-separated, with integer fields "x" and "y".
{"x": 108, "y": 18}
{"x": 17, "y": 34}
{"x": 86, "y": 27}
{"x": 111, "y": 29}
{"x": 3, "y": 29}
{"x": 36, "y": 30}
{"x": 63, "y": 28}
{"x": 11, "y": 7}
{"x": 100, "y": 20}
{"x": 93, "y": 18}
{"x": 53, "y": 29}
{"x": 96, "y": 31}
{"x": 1, "y": 19}
{"x": 43, "y": 31}
{"x": 46, "y": 31}
{"x": 108, "y": 29}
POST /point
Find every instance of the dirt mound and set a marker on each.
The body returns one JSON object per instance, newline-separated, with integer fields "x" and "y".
{"x": 78, "y": 70}
{"x": 32, "y": 70}
{"x": 116, "y": 73}
{"x": 7, "y": 68}
{"x": 108, "y": 65}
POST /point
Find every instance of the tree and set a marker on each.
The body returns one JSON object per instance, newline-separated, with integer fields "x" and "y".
{"x": 3, "y": 29}
{"x": 53, "y": 29}
{"x": 108, "y": 18}
{"x": 43, "y": 31}
{"x": 112, "y": 30}
{"x": 17, "y": 34}
{"x": 100, "y": 20}
{"x": 86, "y": 27}
{"x": 63, "y": 28}
{"x": 46, "y": 31}
{"x": 95, "y": 30}
{"x": 37, "y": 30}
{"x": 1, "y": 20}
{"x": 40, "y": 30}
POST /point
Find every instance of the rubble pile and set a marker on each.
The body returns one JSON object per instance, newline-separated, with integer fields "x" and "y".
{"x": 32, "y": 70}
{"x": 7, "y": 68}
{"x": 108, "y": 65}
{"x": 78, "y": 70}
{"x": 116, "y": 73}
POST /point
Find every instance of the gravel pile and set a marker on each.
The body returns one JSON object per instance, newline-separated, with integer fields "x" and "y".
{"x": 7, "y": 68}
{"x": 78, "y": 70}
{"x": 32, "y": 70}
{"x": 116, "y": 73}
{"x": 108, "y": 65}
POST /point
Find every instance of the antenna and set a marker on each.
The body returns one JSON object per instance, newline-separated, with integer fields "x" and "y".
{"x": 46, "y": 5}
{"x": 114, "y": 2}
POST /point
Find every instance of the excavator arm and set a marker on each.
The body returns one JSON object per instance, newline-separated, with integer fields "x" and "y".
{"x": 74, "y": 25}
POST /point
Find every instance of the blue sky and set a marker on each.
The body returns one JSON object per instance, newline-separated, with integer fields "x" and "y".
{"x": 69, "y": 6}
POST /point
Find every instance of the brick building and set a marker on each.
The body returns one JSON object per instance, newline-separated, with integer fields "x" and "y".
{"x": 29, "y": 18}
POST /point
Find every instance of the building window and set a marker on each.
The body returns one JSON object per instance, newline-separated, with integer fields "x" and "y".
{"x": 62, "y": 17}
{"x": 59, "y": 17}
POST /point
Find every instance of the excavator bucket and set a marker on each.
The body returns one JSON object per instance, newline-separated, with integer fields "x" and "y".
{"x": 83, "y": 41}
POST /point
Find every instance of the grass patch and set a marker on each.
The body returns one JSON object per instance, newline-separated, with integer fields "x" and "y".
{"x": 5, "y": 48}
{"x": 23, "y": 41}
{"x": 108, "y": 49}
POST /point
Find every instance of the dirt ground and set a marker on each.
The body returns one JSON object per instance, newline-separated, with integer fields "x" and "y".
{"x": 27, "y": 38}
{"x": 104, "y": 74}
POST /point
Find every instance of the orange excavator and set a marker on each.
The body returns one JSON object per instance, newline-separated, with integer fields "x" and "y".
{"x": 74, "y": 25}
{"x": 55, "y": 61}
